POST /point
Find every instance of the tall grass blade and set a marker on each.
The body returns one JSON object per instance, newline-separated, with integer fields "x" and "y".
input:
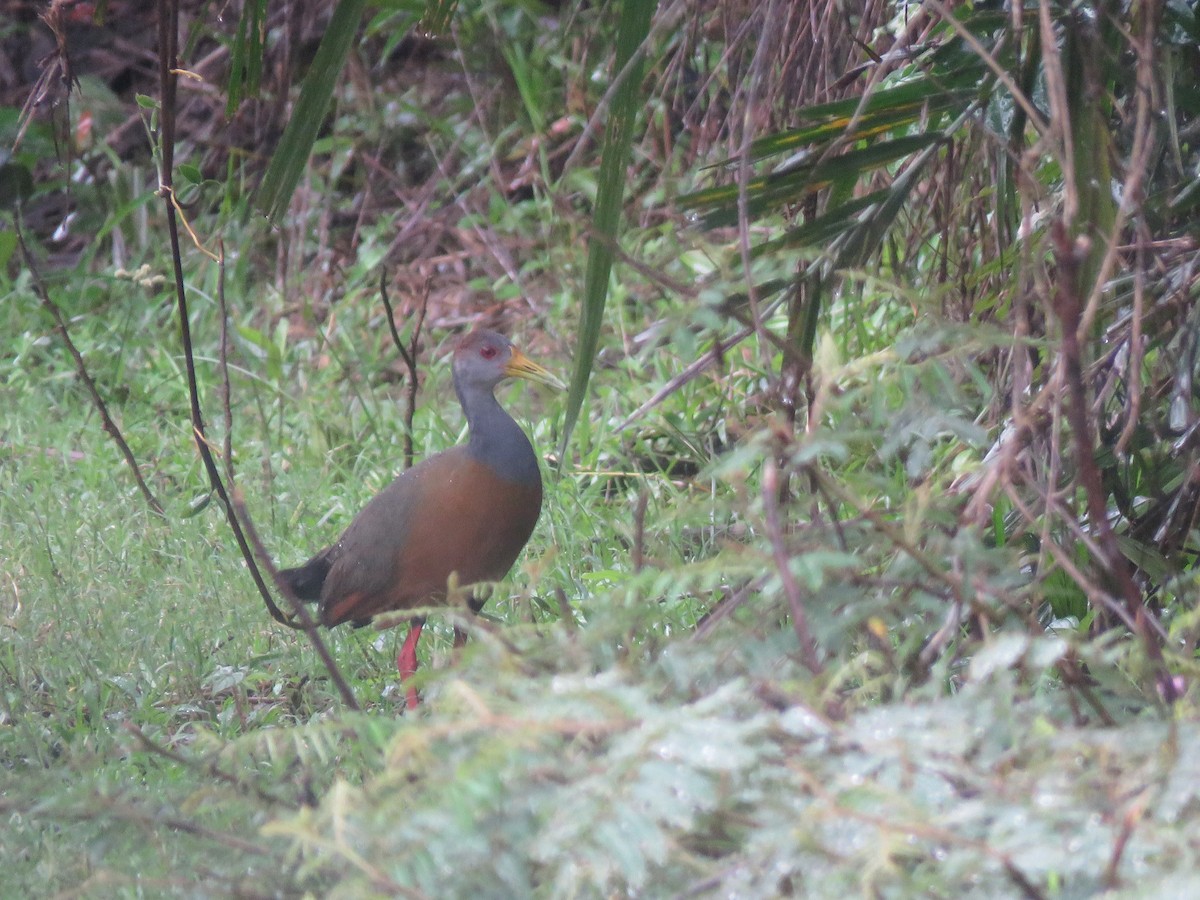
{"x": 618, "y": 137}
{"x": 291, "y": 155}
{"x": 246, "y": 55}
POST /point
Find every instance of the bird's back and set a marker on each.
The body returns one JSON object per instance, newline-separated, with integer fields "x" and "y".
{"x": 451, "y": 513}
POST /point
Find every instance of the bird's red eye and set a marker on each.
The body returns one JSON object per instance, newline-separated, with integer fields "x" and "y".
{"x": 487, "y": 351}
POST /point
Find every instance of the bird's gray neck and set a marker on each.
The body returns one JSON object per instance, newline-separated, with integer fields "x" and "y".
{"x": 496, "y": 440}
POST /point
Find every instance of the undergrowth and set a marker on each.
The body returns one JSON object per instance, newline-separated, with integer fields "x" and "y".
{"x": 755, "y": 647}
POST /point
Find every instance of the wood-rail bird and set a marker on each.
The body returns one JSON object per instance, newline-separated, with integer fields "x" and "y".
{"x": 464, "y": 513}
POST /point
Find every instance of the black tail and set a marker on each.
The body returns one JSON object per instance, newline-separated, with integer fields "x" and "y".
{"x": 306, "y": 581}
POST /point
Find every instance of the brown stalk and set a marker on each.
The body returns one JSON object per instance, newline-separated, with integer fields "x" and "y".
{"x": 723, "y": 609}
{"x": 60, "y": 323}
{"x": 226, "y": 398}
{"x": 409, "y": 354}
{"x": 764, "y": 50}
{"x": 1068, "y": 307}
{"x": 1132, "y": 818}
{"x": 307, "y": 623}
{"x": 808, "y": 646}
{"x": 1078, "y": 681}
{"x": 238, "y": 783}
{"x": 565, "y": 610}
{"x": 1138, "y": 165}
{"x": 1052, "y": 548}
{"x": 168, "y": 32}
{"x": 638, "y": 553}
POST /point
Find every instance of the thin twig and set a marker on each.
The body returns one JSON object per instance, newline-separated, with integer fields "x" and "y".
{"x": 306, "y": 622}
{"x": 934, "y": 567}
{"x": 413, "y": 382}
{"x": 1075, "y": 679}
{"x": 114, "y": 809}
{"x": 1132, "y": 818}
{"x": 1145, "y": 145}
{"x": 714, "y": 354}
{"x": 759, "y": 66}
{"x": 723, "y": 609}
{"x": 409, "y": 355}
{"x": 226, "y": 399}
{"x": 1068, "y": 307}
{"x": 937, "y": 643}
{"x": 667, "y": 19}
{"x": 638, "y": 554}
{"x": 1133, "y": 391}
{"x": 564, "y": 607}
{"x": 210, "y": 767}
{"x": 1048, "y": 546}
{"x": 990, "y": 58}
{"x": 168, "y": 32}
{"x": 60, "y": 323}
{"x": 808, "y": 646}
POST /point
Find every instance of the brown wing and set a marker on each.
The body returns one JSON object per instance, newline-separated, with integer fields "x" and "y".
{"x": 449, "y": 514}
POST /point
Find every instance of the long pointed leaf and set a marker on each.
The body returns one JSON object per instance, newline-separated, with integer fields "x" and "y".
{"x": 246, "y": 55}
{"x": 618, "y": 138}
{"x": 793, "y": 182}
{"x": 291, "y": 155}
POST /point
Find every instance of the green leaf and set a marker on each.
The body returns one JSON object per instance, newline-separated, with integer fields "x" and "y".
{"x": 877, "y": 114}
{"x": 618, "y": 142}
{"x": 246, "y": 55}
{"x": 793, "y": 182}
{"x": 287, "y": 165}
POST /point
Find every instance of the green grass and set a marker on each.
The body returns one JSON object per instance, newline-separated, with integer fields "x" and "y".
{"x": 160, "y": 735}
{"x": 144, "y": 685}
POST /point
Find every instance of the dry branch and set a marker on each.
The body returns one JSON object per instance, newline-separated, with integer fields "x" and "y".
{"x": 168, "y": 31}
{"x": 60, "y": 323}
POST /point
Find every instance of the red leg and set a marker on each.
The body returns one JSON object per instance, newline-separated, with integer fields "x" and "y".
{"x": 406, "y": 660}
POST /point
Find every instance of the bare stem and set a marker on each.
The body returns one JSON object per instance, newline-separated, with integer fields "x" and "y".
{"x": 808, "y": 646}
{"x": 60, "y": 323}
{"x": 409, "y": 354}
{"x": 168, "y": 32}
{"x": 1068, "y": 306}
